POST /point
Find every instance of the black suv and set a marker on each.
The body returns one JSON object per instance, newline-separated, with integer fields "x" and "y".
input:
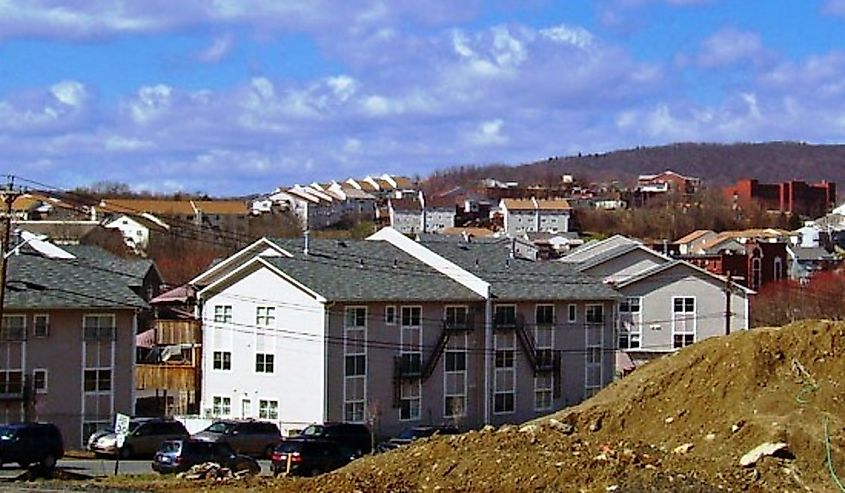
{"x": 30, "y": 443}
{"x": 255, "y": 438}
{"x": 144, "y": 438}
{"x": 356, "y": 437}
{"x": 310, "y": 457}
{"x": 181, "y": 455}
{"x": 415, "y": 433}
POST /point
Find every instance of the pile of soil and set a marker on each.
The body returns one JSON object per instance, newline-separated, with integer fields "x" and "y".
{"x": 724, "y": 396}
{"x": 680, "y": 423}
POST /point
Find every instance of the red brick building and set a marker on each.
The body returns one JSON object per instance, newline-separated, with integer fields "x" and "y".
{"x": 758, "y": 263}
{"x": 792, "y": 197}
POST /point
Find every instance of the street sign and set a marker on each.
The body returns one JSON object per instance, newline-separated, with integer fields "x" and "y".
{"x": 121, "y": 428}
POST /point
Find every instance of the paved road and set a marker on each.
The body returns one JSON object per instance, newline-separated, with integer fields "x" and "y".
{"x": 103, "y": 467}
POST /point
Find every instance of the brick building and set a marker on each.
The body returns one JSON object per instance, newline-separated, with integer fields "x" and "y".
{"x": 752, "y": 265}
{"x": 792, "y": 197}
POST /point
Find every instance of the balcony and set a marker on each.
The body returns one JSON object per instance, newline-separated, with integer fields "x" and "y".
{"x": 172, "y": 332}
{"x": 166, "y": 376}
{"x": 459, "y": 325}
{"x": 546, "y": 360}
{"x": 508, "y": 321}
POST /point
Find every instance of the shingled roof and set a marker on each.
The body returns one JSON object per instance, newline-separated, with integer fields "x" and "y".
{"x": 37, "y": 282}
{"x": 362, "y": 270}
{"x": 517, "y": 279}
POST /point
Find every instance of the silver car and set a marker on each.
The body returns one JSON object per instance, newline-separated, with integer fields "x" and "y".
{"x": 145, "y": 437}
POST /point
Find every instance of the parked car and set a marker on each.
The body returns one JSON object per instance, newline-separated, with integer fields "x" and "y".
{"x": 144, "y": 438}
{"x": 255, "y": 438}
{"x": 310, "y": 457}
{"x": 30, "y": 443}
{"x": 355, "y": 436}
{"x": 181, "y": 455}
{"x": 415, "y": 433}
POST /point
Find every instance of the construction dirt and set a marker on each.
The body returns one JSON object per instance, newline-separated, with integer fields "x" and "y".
{"x": 681, "y": 423}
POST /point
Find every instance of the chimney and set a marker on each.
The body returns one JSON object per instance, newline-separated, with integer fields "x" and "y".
{"x": 513, "y": 248}
{"x": 307, "y": 235}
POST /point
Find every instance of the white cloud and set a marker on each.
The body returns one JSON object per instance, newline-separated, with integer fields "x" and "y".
{"x": 217, "y": 50}
{"x": 728, "y": 47}
{"x": 489, "y": 133}
{"x": 69, "y": 92}
{"x": 577, "y": 36}
{"x": 151, "y": 101}
{"x": 343, "y": 86}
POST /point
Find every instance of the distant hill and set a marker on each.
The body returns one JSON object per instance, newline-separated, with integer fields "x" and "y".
{"x": 717, "y": 164}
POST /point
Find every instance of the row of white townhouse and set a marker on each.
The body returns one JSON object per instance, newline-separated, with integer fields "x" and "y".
{"x": 394, "y": 332}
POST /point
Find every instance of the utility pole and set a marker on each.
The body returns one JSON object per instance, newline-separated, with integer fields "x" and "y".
{"x": 9, "y": 194}
{"x": 728, "y": 294}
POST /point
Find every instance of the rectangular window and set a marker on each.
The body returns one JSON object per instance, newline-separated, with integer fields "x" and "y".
{"x": 97, "y": 380}
{"x": 572, "y": 316}
{"x": 356, "y": 317}
{"x": 545, "y": 314}
{"x": 505, "y": 373}
{"x": 222, "y": 360}
{"x": 223, "y": 313}
{"x": 39, "y": 381}
{"x": 683, "y": 321}
{"x": 13, "y": 328}
{"x": 543, "y": 384}
{"x": 630, "y": 323}
{"x": 356, "y": 365}
{"x": 11, "y": 382}
{"x": 456, "y": 317}
{"x": 390, "y": 315}
{"x": 221, "y": 406}
{"x": 268, "y": 409}
{"x": 505, "y": 316}
{"x": 409, "y": 403}
{"x": 41, "y": 325}
{"x": 264, "y": 363}
{"x": 98, "y": 327}
{"x": 455, "y": 377}
{"x": 265, "y": 316}
{"x": 595, "y": 314}
{"x": 411, "y": 316}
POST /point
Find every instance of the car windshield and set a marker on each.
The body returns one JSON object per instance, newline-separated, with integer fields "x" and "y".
{"x": 412, "y": 433}
{"x": 219, "y": 428}
{"x": 312, "y": 430}
{"x": 6, "y": 433}
{"x": 171, "y": 447}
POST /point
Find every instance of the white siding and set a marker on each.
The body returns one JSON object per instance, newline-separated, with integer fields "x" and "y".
{"x": 296, "y": 340}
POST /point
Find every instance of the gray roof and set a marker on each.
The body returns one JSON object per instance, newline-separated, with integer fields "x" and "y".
{"x": 520, "y": 279}
{"x": 133, "y": 270}
{"x": 365, "y": 270}
{"x": 606, "y": 255}
{"x": 812, "y": 254}
{"x": 36, "y": 282}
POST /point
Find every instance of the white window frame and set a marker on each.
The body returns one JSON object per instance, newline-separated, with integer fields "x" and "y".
{"x": 46, "y": 374}
{"x": 268, "y": 409}
{"x": 694, "y": 318}
{"x": 545, "y": 305}
{"x": 572, "y": 313}
{"x": 264, "y": 363}
{"x": 411, "y": 347}
{"x": 265, "y": 316}
{"x": 246, "y": 408}
{"x": 457, "y": 344}
{"x": 594, "y": 351}
{"x": 97, "y": 390}
{"x": 46, "y": 318}
{"x": 465, "y": 309}
{"x": 778, "y": 264}
{"x": 504, "y": 341}
{"x": 223, "y": 314}
{"x": 355, "y": 411}
{"x": 221, "y": 405}
{"x": 587, "y": 311}
{"x": 5, "y": 333}
{"x": 388, "y": 320}
{"x": 636, "y": 320}
{"x": 756, "y": 272}
{"x": 222, "y": 361}
{"x": 100, "y": 335}
{"x": 515, "y": 315}
{"x": 539, "y": 380}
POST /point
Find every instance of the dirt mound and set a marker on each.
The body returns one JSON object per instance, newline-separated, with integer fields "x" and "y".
{"x": 681, "y": 423}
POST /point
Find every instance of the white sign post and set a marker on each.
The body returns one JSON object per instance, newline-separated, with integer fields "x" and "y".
{"x": 121, "y": 429}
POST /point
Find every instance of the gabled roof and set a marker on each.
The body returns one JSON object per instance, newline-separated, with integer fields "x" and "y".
{"x": 157, "y": 207}
{"x": 222, "y": 207}
{"x": 132, "y": 269}
{"x": 592, "y": 248}
{"x": 403, "y": 182}
{"x": 647, "y": 273}
{"x": 695, "y": 235}
{"x": 407, "y": 205}
{"x": 37, "y": 282}
{"x": 518, "y": 204}
{"x": 517, "y": 279}
{"x": 616, "y": 252}
{"x": 363, "y": 271}
{"x": 553, "y": 205}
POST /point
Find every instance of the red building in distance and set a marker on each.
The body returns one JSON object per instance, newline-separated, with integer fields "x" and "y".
{"x": 791, "y": 197}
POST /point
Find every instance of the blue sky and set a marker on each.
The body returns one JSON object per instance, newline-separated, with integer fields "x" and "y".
{"x": 239, "y": 97}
